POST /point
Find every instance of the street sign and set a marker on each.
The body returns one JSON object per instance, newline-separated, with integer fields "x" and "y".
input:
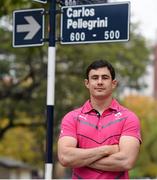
{"x": 95, "y": 23}
{"x": 28, "y": 27}
{"x": 80, "y": 2}
{"x": 41, "y": 1}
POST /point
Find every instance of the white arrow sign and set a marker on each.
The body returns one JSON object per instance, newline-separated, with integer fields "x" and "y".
{"x": 28, "y": 27}
{"x": 32, "y": 27}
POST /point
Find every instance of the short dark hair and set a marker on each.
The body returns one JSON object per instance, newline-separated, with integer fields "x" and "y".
{"x": 99, "y": 64}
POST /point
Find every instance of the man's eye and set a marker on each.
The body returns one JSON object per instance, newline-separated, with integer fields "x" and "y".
{"x": 105, "y": 77}
{"x": 94, "y": 77}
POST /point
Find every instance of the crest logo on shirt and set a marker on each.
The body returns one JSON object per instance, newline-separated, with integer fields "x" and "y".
{"x": 118, "y": 114}
{"x": 82, "y": 117}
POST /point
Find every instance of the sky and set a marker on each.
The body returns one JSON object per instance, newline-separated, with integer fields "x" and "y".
{"x": 145, "y": 13}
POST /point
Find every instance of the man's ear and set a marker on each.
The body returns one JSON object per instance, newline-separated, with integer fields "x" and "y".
{"x": 86, "y": 82}
{"x": 114, "y": 84}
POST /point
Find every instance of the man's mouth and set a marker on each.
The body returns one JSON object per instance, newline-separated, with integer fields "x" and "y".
{"x": 99, "y": 89}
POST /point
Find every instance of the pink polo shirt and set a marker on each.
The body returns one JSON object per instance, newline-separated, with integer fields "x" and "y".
{"x": 92, "y": 130}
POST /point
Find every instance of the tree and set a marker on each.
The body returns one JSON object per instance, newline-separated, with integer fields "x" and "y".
{"x": 146, "y": 109}
{"x": 23, "y": 144}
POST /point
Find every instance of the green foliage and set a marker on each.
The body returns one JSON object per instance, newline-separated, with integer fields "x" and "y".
{"x": 22, "y": 145}
{"x": 22, "y": 106}
{"x": 147, "y": 162}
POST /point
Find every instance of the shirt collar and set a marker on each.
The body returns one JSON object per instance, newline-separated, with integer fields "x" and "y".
{"x": 87, "y": 107}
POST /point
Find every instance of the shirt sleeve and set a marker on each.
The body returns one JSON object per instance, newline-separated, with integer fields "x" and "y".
{"x": 132, "y": 127}
{"x": 68, "y": 125}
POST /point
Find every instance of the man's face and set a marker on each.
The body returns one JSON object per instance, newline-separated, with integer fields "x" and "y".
{"x": 100, "y": 83}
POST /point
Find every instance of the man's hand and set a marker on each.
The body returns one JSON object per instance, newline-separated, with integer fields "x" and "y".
{"x": 114, "y": 149}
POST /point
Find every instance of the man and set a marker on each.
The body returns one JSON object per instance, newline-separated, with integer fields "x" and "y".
{"x": 101, "y": 139}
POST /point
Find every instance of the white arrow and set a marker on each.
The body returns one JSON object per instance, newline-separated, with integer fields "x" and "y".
{"x": 32, "y": 27}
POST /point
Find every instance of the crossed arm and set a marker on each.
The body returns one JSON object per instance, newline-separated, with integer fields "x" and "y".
{"x": 122, "y": 160}
{"x": 106, "y": 158}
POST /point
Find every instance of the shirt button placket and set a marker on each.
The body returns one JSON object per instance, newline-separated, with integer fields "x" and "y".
{"x": 99, "y": 124}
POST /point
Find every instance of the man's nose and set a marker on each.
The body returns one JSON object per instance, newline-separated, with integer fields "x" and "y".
{"x": 99, "y": 80}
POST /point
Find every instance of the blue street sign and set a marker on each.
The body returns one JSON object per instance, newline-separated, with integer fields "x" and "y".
{"x": 41, "y": 1}
{"x": 95, "y": 23}
{"x": 28, "y": 27}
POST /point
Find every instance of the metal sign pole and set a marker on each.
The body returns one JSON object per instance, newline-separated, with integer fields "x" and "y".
{"x": 50, "y": 91}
